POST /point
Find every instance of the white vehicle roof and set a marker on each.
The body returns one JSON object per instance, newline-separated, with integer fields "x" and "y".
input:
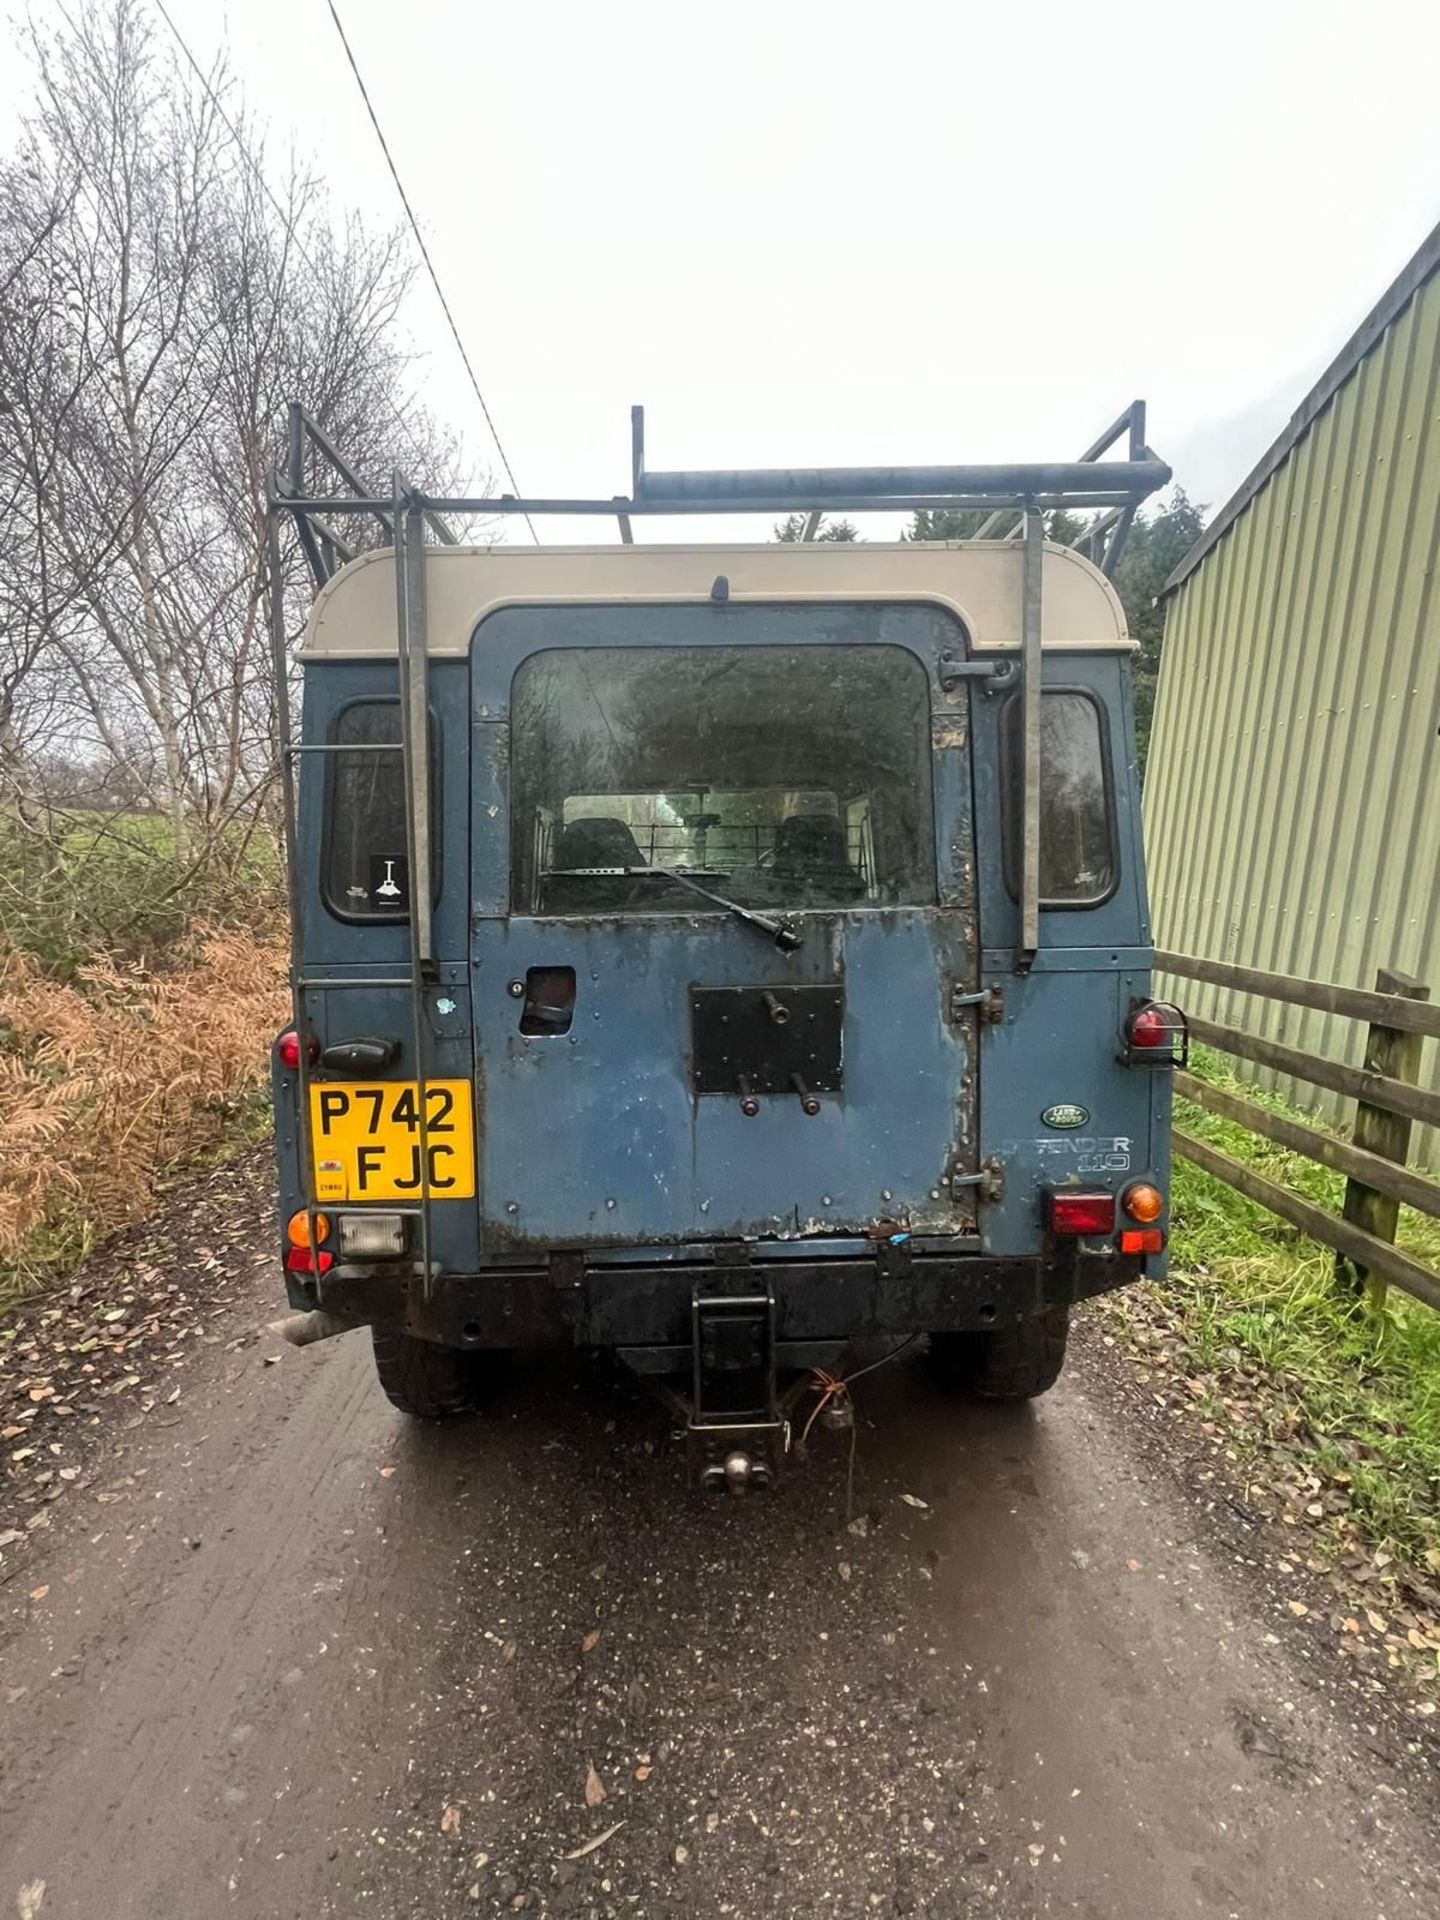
{"x": 977, "y": 580}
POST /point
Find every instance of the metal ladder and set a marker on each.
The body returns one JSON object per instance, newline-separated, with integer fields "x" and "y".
{"x": 404, "y": 527}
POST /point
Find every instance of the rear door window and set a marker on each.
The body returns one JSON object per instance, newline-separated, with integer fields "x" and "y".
{"x": 1078, "y": 865}
{"x": 794, "y": 777}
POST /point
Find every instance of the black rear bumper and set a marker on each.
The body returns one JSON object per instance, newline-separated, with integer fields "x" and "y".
{"x": 819, "y": 1303}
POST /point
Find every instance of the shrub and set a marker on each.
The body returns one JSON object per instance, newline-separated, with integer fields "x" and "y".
{"x": 109, "y": 1079}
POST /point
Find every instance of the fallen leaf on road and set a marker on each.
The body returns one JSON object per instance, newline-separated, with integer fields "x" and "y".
{"x": 591, "y": 1641}
{"x": 1298, "y": 1608}
{"x": 914, "y": 1500}
{"x": 387, "y": 1473}
{"x": 450, "y": 1820}
{"x": 594, "y": 1787}
{"x": 509, "y": 1651}
{"x": 642, "y": 1774}
{"x": 579, "y": 1853}
{"x": 860, "y": 1528}
{"x": 1135, "y": 1566}
{"x": 682, "y": 1854}
{"x": 28, "y": 1899}
{"x": 38, "y": 1593}
{"x": 1377, "y": 1620}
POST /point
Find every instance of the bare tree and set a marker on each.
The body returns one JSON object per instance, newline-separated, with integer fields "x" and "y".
{"x": 161, "y": 296}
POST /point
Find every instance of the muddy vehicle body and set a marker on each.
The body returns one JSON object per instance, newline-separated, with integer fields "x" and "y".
{"x": 724, "y": 955}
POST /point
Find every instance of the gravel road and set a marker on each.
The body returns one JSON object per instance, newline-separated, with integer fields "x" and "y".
{"x": 293, "y": 1656}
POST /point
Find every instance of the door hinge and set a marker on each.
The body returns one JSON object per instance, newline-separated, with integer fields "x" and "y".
{"x": 989, "y": 1000}
{"x": 987, "y": 1184}
{"x": 994, "y": 676}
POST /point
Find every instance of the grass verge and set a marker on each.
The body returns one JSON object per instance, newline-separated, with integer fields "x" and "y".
{"x": 1331, "y": 1413}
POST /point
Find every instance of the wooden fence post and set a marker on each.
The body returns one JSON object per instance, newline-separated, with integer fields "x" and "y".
{"x": 1397, "y": 1055}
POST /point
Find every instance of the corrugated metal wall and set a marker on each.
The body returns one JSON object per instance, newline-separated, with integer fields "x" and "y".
{"x": 1292, "y": 804}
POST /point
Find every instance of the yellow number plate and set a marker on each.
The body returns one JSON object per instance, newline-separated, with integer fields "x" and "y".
{"x": 365, "y": 1140}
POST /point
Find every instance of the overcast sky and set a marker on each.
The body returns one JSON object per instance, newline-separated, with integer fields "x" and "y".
{"x": 808, "y": 234}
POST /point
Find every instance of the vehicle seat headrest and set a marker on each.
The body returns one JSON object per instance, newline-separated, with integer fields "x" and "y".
{"x": 596, "y": 840}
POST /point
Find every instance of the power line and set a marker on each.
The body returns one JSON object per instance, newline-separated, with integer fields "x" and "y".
{"x": 286, "y": 214}
{"x": 429, "y": 263}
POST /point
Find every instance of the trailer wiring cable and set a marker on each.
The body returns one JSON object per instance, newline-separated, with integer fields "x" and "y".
{"x": 831, "y": 1386}
{"x": 304, "y": 252}
{"x": 429, "y": 263}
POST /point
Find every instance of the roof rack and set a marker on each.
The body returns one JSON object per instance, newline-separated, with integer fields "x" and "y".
{"x": 1115, "y": 488}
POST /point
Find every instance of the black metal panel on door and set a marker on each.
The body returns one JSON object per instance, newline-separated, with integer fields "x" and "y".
{"x": 759, "y": 1040}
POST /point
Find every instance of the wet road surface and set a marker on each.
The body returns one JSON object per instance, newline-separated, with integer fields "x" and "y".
{"x": 304, "y": 1658}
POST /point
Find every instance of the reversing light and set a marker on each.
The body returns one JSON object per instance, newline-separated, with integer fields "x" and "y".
{"x": 371, "y": 1236}
{"x": 1143, "y": 1202}
{"x": 1142, "y": 1240}
{"x": 297, "y": 1228}
{"x": 1076, "y": 1213}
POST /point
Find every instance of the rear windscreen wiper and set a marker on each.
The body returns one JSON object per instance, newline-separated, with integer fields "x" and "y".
{"x": 784, "y": 933}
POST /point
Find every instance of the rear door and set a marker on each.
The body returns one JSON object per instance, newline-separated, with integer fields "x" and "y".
{"x": 653, "y": 1066}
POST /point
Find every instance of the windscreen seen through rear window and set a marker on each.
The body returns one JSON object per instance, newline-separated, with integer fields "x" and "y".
{"x": 786, "y": 776}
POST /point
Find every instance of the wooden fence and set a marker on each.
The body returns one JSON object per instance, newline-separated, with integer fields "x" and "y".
{"x": 1399, "y": 1016}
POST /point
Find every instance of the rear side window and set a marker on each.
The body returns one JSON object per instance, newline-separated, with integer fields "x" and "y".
{"x": 364, "y": 871}
{"x": 1078, "y": 866}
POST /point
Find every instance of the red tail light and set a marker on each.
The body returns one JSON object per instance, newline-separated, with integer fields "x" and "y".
{"x": 287, "y": 1051}
{"x": 1156, "y": 1035}
{"x": 302, "y": 1260}
{"x": 1142, "y": 1240}
{"x": 1149, "y": 1028}
{"x": 1076, "y": 1213}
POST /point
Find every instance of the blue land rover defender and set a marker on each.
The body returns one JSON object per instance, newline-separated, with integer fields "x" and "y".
{"x": 719, "y": 954}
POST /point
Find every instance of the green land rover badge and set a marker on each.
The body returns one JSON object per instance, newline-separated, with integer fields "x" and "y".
{"x": 1066, "y": 1115}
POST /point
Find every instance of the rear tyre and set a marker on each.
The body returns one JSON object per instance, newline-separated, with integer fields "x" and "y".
{"x": 1017, "y": 1362}
{"x": 426, "y": 1381}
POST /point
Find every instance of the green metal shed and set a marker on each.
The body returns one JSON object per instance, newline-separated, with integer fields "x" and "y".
{"x": 1292, "y": 804}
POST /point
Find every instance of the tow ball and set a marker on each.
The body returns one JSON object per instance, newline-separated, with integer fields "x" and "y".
{"x": 737, "y": 1473}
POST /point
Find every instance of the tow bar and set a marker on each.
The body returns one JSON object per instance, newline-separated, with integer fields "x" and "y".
{"x": 738, "y": 1435}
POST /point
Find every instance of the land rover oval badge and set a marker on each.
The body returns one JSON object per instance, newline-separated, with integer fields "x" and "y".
{"x": 1065, "y": 1114}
